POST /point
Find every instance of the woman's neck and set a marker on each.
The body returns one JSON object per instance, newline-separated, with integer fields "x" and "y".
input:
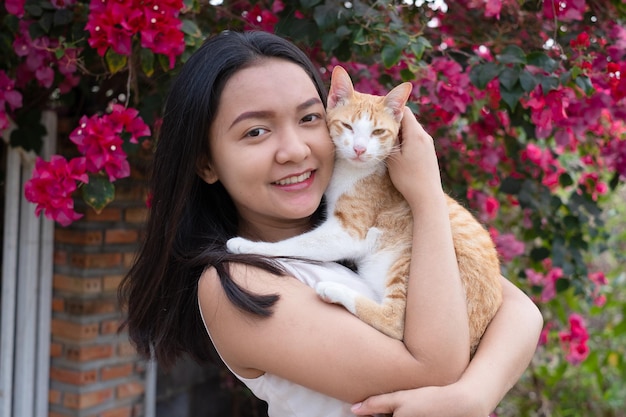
{"x": 274, "y": 232}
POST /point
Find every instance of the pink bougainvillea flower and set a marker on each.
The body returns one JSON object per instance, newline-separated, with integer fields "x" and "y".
{"x": 493, "y": 8}
{"x": 113, "y": 24}
{"x": 574, "y": 341}
{"x": 99, "y": 139}
{"x": 52, "y": 185}
{"x": 259, "y": 18}
{"x": 508, "y": 246}
{"x": 101, "y": 144}
{"x": 8, "y": 96}
{"x": 581, "y": 41}
{"x": 15, "y": 7}
{"x": 566, "y": 10}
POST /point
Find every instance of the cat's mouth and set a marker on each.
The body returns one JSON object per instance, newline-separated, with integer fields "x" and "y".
{"x": 295, "y": 179}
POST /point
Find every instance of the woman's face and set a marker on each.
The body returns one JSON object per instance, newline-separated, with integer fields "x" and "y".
{"x": 270, "y": 148}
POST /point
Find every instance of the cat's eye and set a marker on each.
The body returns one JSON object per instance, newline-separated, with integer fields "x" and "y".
{"x": 378, "y": 132}
{"x": 346, "y": 125}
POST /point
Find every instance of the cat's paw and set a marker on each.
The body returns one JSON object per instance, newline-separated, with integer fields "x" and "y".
{"x": 336, "y": 293}
{"x": 241, "y": 245}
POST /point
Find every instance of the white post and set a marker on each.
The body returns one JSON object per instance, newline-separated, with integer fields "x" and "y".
{"x": 9, "y": 279}
{"x": 46, "y": 267}
{"x": 27, "y": 267}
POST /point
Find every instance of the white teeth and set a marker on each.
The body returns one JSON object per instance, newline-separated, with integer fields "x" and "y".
{"x": 295, "y": 179}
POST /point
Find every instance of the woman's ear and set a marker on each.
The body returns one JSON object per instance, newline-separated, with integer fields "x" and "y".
{"x": 207, "y": 173}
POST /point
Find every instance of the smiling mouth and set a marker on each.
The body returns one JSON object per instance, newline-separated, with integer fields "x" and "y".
{"x": 295, "y": 179}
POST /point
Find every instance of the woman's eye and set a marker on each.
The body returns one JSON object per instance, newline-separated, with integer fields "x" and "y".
{"x": 311, "y": 118}
{"x": 256, "y": 132}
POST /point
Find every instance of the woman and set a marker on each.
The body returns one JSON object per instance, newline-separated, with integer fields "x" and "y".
{"x": 244, "y": 151}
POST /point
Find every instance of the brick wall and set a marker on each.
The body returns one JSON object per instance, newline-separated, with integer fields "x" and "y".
{"x": 94, "y": 371}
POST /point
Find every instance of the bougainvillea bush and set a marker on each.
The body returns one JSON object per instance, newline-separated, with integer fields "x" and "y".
{"x": 526, "y": 101}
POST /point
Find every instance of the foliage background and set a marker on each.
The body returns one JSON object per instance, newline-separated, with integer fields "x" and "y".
{"x": 526, "y": 100}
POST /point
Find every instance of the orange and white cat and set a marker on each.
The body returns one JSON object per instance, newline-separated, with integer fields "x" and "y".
{"x": 370, "y": 223}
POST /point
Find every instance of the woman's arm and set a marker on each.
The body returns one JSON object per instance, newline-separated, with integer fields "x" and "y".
{"x": 436, "y": 323}
{"x": 307, "y": 341}
{"x": 502, "y": 356}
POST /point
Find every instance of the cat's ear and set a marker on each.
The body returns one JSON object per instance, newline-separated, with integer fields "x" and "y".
{"x": 341, "y": 88}
{"x": 396, "y": 99}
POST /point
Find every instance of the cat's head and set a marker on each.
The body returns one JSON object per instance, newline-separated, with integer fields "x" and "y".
{"x": 364, "y": 127}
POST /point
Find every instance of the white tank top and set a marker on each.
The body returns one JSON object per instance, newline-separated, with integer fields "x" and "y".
{"x": 285, "y": 398}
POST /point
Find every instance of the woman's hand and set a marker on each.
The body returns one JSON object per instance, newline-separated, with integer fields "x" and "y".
{"x": 447, "y": 401}
{"x": 415, "y": 160}
{"x": 504, "y": 352}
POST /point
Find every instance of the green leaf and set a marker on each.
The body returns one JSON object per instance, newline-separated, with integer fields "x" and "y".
{"x": 115, "y": 61}
{"x": 46, "y": 22}
{"x": 98, "y": 192}
{"x": 548, "y": 83}
{"x": 528, "y": 81}
{"x": 309, "y": 4}
{"x": 512, "y": 54}
{"x": 391, "y": 55}
{"x": 565, "y": 180}
{"x": 541, "y": 60}
{"x": 63, "y": 17}
{"x": 509, "y": 76}
{"x": 419, "y": 47}
{"x": 539, "y": 254}
{"x": 480, "y": 75}
{"x": 562, "y": 284}
{"x": 190, "y": 28}
{"x": 511, "y": 97}
{"x": 407, "y": 74}
{"x": 147, "y": 61}
{"x": 585, "y": 84}
{"x": 33, "y": 9}
{"x": 511, "y": 185}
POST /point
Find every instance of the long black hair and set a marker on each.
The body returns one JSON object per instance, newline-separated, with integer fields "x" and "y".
{"x": 189, "y": 220}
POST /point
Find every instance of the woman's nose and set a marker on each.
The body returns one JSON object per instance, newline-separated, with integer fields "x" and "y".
{"x": 292, "y": 148}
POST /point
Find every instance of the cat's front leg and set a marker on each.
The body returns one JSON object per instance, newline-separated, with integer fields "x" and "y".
{"x": 241, "y": 245}
{"x": 327, "y": 243}
{"x": 336, "y": 293}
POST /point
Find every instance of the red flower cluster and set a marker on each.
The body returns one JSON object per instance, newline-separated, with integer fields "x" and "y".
{"x": 112, "y": 24}
{"x": 575, "y": 340}
{"x": 258, "y": 18}
{"x": 547, "y": 165}
{"x": 8, "y": 96}
{"x": 52, "y": 185}
{"x": 617, "y": 79}
{"x": 100, "y": 140}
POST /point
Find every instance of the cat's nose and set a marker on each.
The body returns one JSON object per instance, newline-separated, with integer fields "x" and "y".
{"x": 359, "y": 150}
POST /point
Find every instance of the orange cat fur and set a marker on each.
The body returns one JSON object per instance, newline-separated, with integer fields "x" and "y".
{"x": 370, "y": 223}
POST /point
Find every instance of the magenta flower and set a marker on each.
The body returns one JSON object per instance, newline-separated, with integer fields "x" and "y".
{"x": 15, "y": 7}
{"x": 52, "y": 185}
{"x": 8, "y": 96}
{"x": 113, "y": 24}
{"x": 99, "y": 139}
{"x": 574, "y": 341}
{"x": 508, "y": 246}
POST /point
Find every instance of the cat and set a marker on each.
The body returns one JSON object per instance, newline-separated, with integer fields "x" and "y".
{"x": 370, "y": 223}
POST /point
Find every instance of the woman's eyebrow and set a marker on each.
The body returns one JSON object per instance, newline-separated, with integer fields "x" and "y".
{"x": 265, "y": 114}
{"x": 310, "y": 102}
{"x": 251, "y": 115}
